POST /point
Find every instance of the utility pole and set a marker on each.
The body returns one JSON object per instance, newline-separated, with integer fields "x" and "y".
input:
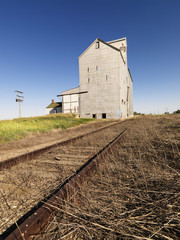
{"x": 19, "y": 99}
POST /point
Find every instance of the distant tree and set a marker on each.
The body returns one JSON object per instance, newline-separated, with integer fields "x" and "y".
{"x": 178, "y": 111}
{"x": 136, "y": 113}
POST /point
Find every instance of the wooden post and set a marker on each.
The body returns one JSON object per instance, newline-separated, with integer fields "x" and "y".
{"x": 19, "y": 99}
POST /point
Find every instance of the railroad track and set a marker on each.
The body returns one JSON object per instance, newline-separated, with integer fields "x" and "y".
{"x": 8, "y": 163}
{"x": 26, "y": 183}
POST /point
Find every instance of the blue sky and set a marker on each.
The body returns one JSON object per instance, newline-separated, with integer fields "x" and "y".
{"x": 41, "y": 40}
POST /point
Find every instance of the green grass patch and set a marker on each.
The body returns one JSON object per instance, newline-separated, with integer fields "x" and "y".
{"x": 18, "y": 128}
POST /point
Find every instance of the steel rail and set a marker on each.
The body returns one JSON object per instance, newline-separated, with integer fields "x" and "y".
{"x": 6, "y": 164}
{"x": 33, "y": 223}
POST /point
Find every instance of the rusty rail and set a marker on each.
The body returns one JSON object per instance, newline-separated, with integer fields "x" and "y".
{"x": 33, "y": 223}
{"x": 6, "y": 164}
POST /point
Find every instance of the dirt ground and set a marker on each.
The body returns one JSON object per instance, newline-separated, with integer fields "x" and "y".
{"x": 136, "y": 192}
{"x": 25, "y": 184}
{"x": 37, "y": 141}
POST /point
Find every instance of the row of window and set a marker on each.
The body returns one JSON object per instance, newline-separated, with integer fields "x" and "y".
{"x": 122, "y": 101}
{"x": 97, "y": 69}
{"x": 103, "y": 115}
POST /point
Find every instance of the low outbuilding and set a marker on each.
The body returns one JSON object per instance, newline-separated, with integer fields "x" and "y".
{"x": 54, "y": 107}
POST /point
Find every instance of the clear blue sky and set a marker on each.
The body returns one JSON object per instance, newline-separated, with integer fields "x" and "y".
{"x": 41, "y": 40}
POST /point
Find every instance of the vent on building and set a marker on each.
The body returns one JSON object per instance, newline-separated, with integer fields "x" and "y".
{"x": 103, "y": 115}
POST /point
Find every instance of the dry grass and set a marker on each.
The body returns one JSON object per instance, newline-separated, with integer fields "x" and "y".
{"x": 27, "y": 183}
{"x": 134, "y": 195}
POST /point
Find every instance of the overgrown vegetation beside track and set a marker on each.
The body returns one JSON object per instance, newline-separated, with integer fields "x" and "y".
{"x": 136, "y": 192}
{"x": 19, "y": 128}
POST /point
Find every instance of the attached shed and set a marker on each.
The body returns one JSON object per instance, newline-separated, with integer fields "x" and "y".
{"x": 54, "y": 107}
{"x": 70, "y": 101}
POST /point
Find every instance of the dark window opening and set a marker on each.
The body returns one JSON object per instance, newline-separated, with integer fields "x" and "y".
{"x": 97, "y": 44}
{"x": 88, "y": 69}
{"x": 88, "y": 80}
{"x": 94, "y": 115}
{"x": 103, "y": 115}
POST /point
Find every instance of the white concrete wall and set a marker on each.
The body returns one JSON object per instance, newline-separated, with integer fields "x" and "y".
{"x": 103, "y": 72}
{"x": 122, "y": 45}
{"x": 48, "y": 110}
{"x": 131, "y": 109}
{"x": 104, "y": 75}
{"x": 52, "y": 111}
{"x": 102, "y": 84}
{"x": 126, "y": 81}
{"x": 71, "y": 103}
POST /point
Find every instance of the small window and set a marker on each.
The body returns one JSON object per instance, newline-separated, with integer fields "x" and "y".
{"x": 106, "y": 77}
{"x": 94, "y": 115}
{"x": 88, "y": 80}
{"x": 88, "y": 69}
{"x": 97, "y": 44}
{"x": 103, "y": 115}
{"x": 96, "y": 68}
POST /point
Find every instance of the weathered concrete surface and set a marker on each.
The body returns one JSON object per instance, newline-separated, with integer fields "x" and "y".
{"x": 104, "y": 74}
